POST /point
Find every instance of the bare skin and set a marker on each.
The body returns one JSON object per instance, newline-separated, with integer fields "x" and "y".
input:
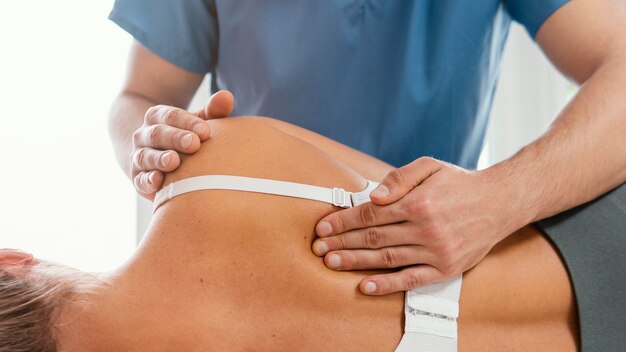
{"x": 585, "y": 40}
{"x": 224, "y": 270}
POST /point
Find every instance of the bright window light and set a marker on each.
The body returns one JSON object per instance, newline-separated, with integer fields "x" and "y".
{"x": 63, "y": 197}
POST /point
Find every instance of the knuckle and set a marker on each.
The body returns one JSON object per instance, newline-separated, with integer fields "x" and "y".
{"x": 412, "y": 207}
{"x": 448, "y": 268}
{"x": 451, "y": 266}
{"x": 352, "y": 261}
{"x": 171, "y": 115}
{"x": 398, "y": 211}
{"x": 373, "y": 237}
{"x": 427, "y": 202}
{"x": 367, "y": 214}
{"x": 151, "y": 113}
{"x": 348, "y": 261}
{"x": 155, "y": 133}
{"x": 337, "y": 223}
{"x": 427, "y": 160}
{"x": 412, "y": 280}
{"x": 155, "y": 159}
{"x": 190, "y": 123}
{"x": 423, "y": 205}
{"x": 444, "y": 251}
{"x": 339, "y": 244}
{"x": 137, "y": 182}
{"x": 432, "y": 230}
{"x": 139, "y": 158}
{"x": 388, "y": 258}
{"x": 137, "y": 136}
{"x": 397, "y": 176}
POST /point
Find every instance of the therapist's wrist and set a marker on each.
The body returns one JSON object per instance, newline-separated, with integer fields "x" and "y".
{"x": 515, "y": 193}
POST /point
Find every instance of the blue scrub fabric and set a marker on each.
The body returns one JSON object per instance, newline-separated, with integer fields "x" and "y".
{"x": 394, "y": 79}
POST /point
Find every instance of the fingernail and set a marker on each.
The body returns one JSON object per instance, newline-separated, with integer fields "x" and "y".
{"x": 186, "y": 141}
{"x": 151, "y": 178}
{"x": 199, "y": 129}
{"x": 380, "y": 192}
{"x": 324, "y": 228}
{"x": 321, "y": 247}
{"x": 370, "y": 287}
{"x": 334, "y": 261}
{"x": 165, "y": 159}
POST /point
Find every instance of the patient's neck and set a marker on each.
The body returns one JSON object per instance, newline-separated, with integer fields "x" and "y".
{"x": 84, "y": 324}
{"x": 127, "y": 312}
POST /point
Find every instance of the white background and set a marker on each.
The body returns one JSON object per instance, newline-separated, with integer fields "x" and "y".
{"x": 62, "y": 195}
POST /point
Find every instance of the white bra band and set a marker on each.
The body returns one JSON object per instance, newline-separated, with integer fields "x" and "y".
{"x": 335, "y": 196}
{"x": 430, "y": 317}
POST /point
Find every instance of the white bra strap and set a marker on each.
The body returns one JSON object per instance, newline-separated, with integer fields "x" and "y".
{"x": 335, "y": 196}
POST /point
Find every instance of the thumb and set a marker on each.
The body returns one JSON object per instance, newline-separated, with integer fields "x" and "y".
{"x": 219, "y": 105}
{"x": 401, "y": 181}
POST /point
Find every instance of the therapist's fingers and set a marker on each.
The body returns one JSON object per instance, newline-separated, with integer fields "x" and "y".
{"x": 384, "y": 258}
{"x": 145, "y": 159}
{"x": 164, "y": 137}
{"x": 401, "y": 181}
{"x": 148, "y": 166}
{"x": 367, "y": 238}
{"x": 219, "y": 105}
{"x": 148, "y": 182}
{"x": 179, "y": 119}
{"x": 403, "y": 280}
{"x": 364, "y": 215}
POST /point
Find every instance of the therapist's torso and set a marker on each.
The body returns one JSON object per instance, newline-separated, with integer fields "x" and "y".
{"x": 395, "y": 79}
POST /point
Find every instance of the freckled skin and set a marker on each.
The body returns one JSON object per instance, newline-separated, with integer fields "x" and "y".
{"x": 226, "y": 270}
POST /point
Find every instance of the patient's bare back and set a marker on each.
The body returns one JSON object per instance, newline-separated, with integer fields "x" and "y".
{"x": 234, "y": 271}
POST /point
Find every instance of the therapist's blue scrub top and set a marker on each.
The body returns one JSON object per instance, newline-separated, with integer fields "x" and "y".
{"x": 396, "y": 79}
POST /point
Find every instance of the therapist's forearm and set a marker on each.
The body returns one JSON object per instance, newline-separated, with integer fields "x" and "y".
{"x": 125, "y": 118}
{"x": 582, "y": 156}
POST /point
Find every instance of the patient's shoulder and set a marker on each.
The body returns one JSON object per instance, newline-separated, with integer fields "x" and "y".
{"x": 254, "y": 147}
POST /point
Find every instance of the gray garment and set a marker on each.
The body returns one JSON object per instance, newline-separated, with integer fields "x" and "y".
{"x": 592, "y": 241}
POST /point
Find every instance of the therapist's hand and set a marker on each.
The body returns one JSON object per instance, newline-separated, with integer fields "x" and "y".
{"x": 166, "y": 132}
{"x": 432, "y": 219}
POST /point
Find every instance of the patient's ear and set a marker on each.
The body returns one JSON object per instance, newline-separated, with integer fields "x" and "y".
{"x": 15, "y": 258}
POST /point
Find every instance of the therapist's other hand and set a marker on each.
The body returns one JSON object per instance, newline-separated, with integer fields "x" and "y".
{"x": 432, "y": 219}
{"x": 166, "y": 132}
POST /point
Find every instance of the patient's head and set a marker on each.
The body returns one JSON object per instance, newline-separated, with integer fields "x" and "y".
{"x": 33, "y": 294}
